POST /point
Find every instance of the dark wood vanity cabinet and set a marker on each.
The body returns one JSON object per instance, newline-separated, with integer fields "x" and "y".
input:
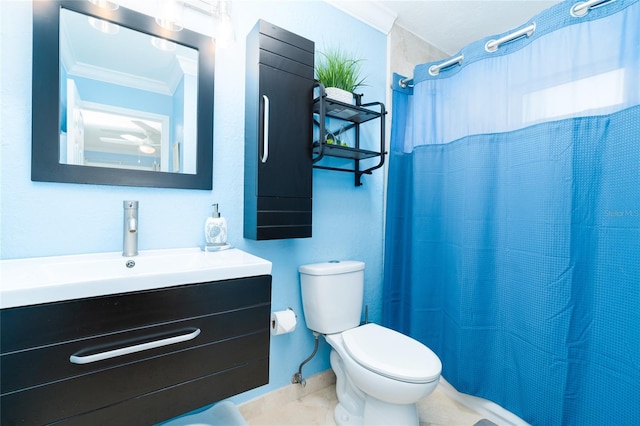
{"x": 278, "y": 134}
{"x": 220, "y": 347}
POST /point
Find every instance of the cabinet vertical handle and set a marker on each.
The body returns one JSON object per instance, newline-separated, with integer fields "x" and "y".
{"x": 265, "y": 135}
{"x": 75, "y": 359}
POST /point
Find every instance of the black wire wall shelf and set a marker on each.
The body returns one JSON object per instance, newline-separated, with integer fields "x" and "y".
{"x": 351, "y": 117}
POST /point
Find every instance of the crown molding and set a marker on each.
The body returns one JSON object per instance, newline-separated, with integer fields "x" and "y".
{"x": 372, "y": 13}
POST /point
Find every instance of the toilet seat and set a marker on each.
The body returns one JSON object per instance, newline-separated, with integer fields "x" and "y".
{"x": 392, "y": 354}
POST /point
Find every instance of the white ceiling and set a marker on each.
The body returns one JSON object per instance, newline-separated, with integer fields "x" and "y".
{"x": 451, "y": 25}
{"x": 448, "y": 25}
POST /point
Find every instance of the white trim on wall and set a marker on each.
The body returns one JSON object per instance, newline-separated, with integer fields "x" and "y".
{"x": 371, "y": 13}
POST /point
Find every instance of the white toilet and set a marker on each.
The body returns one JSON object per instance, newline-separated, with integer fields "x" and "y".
{"x": 380, "y": 373}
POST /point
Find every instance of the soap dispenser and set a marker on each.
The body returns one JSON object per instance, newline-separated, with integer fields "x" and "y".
{"x": 215, "y": 230}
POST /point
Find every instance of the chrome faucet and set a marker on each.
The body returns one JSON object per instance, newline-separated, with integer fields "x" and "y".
{"x": 130, "y": 242}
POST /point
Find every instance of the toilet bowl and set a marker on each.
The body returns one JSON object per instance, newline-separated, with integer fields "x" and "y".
{"x": 380, "y": 373}
{"x": 388, "y": 371}
{"x": 386, "y": 364}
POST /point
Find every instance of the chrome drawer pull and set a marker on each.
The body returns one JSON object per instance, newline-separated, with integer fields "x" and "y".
{"x": 133, "y": 349}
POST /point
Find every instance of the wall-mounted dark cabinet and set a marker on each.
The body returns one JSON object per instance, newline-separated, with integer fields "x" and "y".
{"x": 278, "y": 134}
{"x": 333, "y": 117}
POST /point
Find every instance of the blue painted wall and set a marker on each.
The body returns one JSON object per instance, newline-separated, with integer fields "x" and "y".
{"x": 45, "y": 219}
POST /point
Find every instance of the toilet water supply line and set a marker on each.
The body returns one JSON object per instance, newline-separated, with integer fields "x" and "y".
{"x": 297, "y": 378}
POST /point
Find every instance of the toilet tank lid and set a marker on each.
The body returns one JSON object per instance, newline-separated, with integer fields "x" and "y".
{"x": 333, "y": 267}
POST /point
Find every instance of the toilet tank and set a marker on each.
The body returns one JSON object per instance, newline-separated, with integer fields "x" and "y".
{"x": 332, "y": 295}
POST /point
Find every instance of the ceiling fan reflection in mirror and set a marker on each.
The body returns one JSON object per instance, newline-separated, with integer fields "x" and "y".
{"x": 147, "y": 140}
{"x": 121, "y": 133}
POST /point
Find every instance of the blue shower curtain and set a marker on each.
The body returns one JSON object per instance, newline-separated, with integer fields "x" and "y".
{"x": 513, "y": 217}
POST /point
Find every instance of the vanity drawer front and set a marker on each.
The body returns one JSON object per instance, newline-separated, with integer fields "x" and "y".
{"x": 160, "y": 406}
{"x": 83, "y": 394}
{"x": 52, "y": 323}
{"x": 34, "y": 367}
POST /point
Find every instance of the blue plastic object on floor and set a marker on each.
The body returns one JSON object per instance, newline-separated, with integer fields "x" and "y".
{"x": 224, "y": 413}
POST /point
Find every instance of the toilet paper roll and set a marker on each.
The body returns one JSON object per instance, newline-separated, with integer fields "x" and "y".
{"x": 283, "y": 322}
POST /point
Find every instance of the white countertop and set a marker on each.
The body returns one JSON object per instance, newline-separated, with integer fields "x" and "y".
{"x": 38, "y": 280}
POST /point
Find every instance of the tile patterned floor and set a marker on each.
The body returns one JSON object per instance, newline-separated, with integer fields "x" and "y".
{"x": 315, "y": 406}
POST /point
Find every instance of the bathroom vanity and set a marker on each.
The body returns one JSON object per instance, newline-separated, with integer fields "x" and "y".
{"x": 139, "y": 356}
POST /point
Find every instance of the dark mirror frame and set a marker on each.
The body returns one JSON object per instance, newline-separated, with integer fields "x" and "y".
{"x": 45, "y": 165}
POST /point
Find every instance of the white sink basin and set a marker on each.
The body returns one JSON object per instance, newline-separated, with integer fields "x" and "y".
{"x": 49, "y": 279}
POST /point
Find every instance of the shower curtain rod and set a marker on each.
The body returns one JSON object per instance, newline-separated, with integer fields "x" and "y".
{"x": 582, "y": 8}
{"x": 493, "y": 45}
{"x": 433, "y": 70}
{"x": 577, "y": 10}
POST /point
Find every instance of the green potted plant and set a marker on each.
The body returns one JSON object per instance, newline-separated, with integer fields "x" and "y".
{"x": 339, "y": 73}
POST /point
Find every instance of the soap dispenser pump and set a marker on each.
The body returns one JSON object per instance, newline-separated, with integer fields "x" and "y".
{"x": 215, "y": 230}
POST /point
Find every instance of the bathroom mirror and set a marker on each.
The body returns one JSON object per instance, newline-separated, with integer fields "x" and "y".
{"x": 118, "y": 100}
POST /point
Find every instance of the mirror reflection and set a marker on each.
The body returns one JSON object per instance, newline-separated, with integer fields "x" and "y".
{"x": 128, "y": 100}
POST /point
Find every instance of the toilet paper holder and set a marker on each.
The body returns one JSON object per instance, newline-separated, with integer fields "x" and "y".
{"x": 283, "y": 322}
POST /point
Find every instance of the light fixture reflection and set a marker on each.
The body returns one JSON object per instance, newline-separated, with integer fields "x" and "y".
{"x": 163, "y": 44}
{"x": 104, "y": 26}
{"x": 105, "y": 4}
{"x": 225, "y": 31}
{"x": 170, "y": 14}
{"x": 146, "y": 149}
{"x": 223, "y": 35}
